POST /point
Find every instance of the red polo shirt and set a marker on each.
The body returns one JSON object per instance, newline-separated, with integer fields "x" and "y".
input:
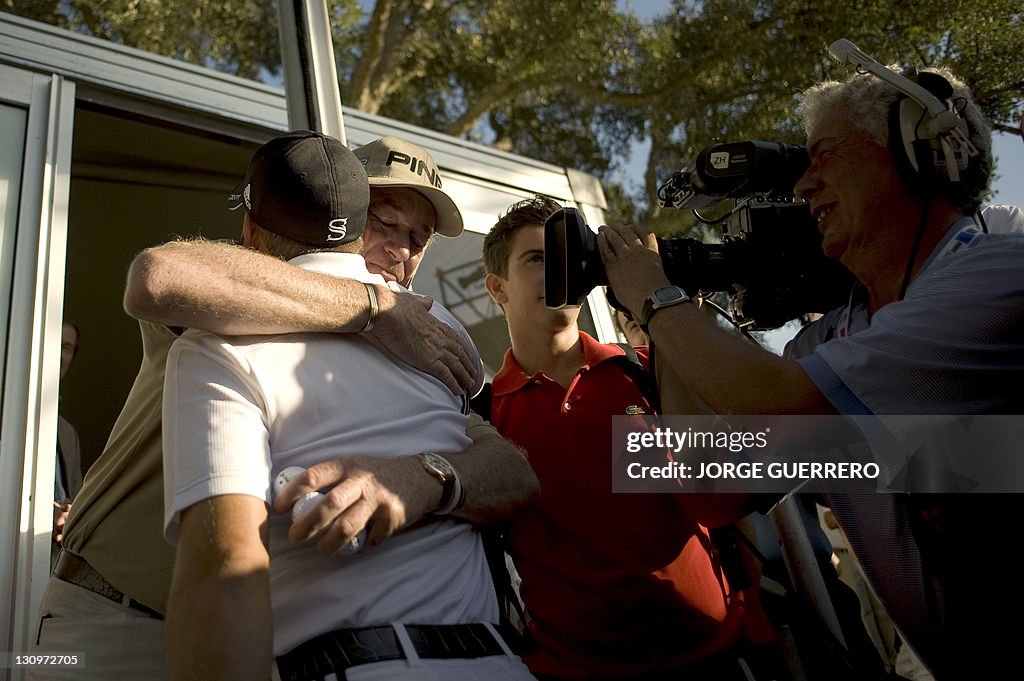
{"x": 616, "y": 584}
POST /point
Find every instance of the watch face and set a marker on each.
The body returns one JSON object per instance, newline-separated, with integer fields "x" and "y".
{"x": 438, "y": 464}
{"x": 667, "y": 295}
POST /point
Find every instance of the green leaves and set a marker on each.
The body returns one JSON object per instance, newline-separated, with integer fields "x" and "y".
{"x": 578, "y": 82}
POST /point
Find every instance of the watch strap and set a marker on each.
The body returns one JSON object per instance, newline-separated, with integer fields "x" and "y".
{"x": 455, "y": 503}
{"x": 452, "y": 493}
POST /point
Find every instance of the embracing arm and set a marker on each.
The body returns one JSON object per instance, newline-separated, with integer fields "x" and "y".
{"x": 219, "y": 619}
{"x": 231, "y": 290}
{"x": 385, "y": 495}
{"x": 495, "y": 474}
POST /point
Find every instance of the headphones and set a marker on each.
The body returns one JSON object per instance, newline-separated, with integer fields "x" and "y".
{"x": 927, "y": 136}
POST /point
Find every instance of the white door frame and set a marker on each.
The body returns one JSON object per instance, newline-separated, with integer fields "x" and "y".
{"x": 28, "y": 422}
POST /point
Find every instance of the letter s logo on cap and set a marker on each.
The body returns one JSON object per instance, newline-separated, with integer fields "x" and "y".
{"x": 338, "y": 228}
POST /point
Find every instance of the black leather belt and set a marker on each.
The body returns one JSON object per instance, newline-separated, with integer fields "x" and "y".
{"x": 336, "y": 651}
{"x": 74, "y": 569}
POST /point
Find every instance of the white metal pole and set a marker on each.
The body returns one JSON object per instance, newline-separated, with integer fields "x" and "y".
{"x": 802, "y": 564}
{"x": 310, "y": 73}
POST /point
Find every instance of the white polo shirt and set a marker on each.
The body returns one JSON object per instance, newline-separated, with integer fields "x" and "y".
{"x": 238, "y": 410}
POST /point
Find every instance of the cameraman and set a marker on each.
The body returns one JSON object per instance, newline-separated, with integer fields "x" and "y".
{"x": 933, "y": 326}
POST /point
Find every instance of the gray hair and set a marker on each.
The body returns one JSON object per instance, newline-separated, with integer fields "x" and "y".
{"x": 866, "y": 100}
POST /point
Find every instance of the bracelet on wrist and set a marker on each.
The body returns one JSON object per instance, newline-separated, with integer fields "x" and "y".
{"x": 371, "y": 293}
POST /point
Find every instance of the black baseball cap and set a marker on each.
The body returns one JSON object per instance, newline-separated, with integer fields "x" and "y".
{"x": 308, "y": 187}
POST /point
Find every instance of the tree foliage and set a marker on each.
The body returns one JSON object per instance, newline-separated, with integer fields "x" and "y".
{"x": 235, "y": 36}
{"x": 576, "y": 82}
{"x": 746, "y": 62}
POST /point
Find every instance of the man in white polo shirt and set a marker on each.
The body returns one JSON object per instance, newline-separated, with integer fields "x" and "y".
{"x": 239, "y": 410}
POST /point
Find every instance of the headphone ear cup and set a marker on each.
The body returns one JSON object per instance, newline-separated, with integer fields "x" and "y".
{"x": 922, "y": 161}
{"x": 913, "y": 157}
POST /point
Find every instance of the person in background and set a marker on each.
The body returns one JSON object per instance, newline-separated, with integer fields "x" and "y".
{"x": 616, "y": 586}
{"x": 630, "y": 329}
{"x": 68, "y": 478}
{"x": 1003, "y": 219}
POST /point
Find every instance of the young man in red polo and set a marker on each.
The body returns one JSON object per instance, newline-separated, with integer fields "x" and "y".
{"x": 617, "y": 586}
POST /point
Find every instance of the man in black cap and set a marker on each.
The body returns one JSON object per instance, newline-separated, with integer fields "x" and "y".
{"x": 109, "y": 590}
{"x": 240, "y": 411}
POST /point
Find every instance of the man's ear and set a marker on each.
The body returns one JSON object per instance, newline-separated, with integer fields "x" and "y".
{"x": 495, "y": 286}
{"x": 248, "y": 231}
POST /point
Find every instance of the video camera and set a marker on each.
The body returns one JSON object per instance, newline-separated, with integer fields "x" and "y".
{"x": 769, "y": 259}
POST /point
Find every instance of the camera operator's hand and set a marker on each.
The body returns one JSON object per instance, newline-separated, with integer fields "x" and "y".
{"x": 632, "y": 263}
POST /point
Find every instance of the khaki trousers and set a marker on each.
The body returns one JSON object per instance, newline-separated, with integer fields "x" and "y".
{"x": 113, "y": 642}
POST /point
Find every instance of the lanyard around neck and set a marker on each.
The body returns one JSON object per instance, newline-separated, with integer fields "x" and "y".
{"x": 964, "y": 237}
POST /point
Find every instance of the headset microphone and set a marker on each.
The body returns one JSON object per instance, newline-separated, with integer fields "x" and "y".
{"x": 921, "y": 117}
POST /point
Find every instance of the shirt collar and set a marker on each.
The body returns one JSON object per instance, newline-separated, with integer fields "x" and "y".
{"x": 952, "y": 233}
{"x": 511, "y": 377}
{"x": 855, "y": 315}
{"x": 341, "y": 265}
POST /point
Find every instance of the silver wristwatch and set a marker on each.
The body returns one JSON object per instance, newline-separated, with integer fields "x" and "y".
{"x": 666, "y": 296}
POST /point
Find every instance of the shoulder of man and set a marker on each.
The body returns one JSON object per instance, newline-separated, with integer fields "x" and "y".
{"x": 1003, "y": 219}
{"x": 813, "y": 334}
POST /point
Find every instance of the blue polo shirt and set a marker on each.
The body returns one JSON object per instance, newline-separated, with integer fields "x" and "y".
{"x": 953, "y": 345}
